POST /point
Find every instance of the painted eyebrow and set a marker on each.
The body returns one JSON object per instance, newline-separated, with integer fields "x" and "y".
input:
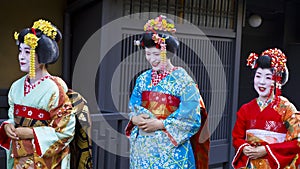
{"x": 266, "y": 74}
{"x": 27, "y": 48}
{"x": 153, "y": 52}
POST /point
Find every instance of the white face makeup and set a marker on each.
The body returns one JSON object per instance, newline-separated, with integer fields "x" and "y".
{"x": 24, "y": 58}
{"x": 263, "y": 82}
{"x": 153, "y": 57}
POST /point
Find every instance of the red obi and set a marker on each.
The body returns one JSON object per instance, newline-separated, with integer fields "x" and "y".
{"x": 160, "y": 104}
{"x": 23, "y": 114}
{"x": 275, "y": 126}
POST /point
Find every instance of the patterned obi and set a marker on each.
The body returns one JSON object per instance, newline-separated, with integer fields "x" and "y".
{"x": 25, "y": 116}
{"x": 266, "y": 131}
{"x": 275, "y": 126}
{"x": 30, "y": 117}
{"x": 262, "y": 132}
{"x": 160, "y": 104}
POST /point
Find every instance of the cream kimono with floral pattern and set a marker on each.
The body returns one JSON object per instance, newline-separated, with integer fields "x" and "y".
{"x": 44, "y": 107}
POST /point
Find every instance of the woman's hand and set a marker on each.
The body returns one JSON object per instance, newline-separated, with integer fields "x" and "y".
{"x": 259, "y": 151}
{"x": 152, "y": 125}
{"x": 10, "y": 131}
{"x": 140, "y": 119}
{"x": 24, "y": 133}
{"x": 254, "y": 152}
{"x": 144, "y": 122}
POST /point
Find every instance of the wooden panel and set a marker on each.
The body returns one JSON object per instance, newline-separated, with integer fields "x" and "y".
{"x": 109, "y": 141}
{"x": 203, "y": 13}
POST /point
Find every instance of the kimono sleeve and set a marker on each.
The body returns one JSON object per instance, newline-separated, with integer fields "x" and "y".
{"x": 239, "y": 142}
{"x": 136, "y": 97}
{"x": 284, "y": 154}
{"x": 135, "y": 104}
{"x": 135, "y": 101}
{"x": 52, "y": 139}
{"x": 183, "y": 123}
{"x": 4, "y": 139}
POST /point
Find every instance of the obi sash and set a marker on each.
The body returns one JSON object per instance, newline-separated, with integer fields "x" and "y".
{"x": 160, "y": 104}
{"x": 25, "y": 116}
{"x": 274, "y": 126}
{"x": 257, "y": 137}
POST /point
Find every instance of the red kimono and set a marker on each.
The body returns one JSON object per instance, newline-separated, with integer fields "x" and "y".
{"x": 277, "y": 127}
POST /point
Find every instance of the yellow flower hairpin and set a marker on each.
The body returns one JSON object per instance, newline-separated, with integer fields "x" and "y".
{"x": 32, "y": 40}
{"x": 46, "y": 27}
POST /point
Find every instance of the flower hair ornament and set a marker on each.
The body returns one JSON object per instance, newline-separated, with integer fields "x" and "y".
{"x": 31, "y": 40}
{"x": 159, "y": 24}
{"x": 278, "y": 64}
{"x": 278, "y": 60}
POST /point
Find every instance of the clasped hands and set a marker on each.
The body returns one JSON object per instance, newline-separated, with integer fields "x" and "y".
{"x": 254, "y": 152}
{"x": 147, "y": 124}
{"x": 18, "y": 133}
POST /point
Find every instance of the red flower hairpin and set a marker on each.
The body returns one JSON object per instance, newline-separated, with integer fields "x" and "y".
{"x": 278, "y": 59}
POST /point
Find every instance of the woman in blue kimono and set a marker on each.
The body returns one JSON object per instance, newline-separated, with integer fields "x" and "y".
{"x": 41, "y": 121}
{"x": 165, "y": 105}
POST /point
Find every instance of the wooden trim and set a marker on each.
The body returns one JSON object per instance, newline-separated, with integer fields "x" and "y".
{"x": 239, "y": 25}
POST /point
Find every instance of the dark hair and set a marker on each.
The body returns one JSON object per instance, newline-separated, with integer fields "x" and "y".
{"x": 171, "y": 41}
{"x": 264, "y": 62}
{"x": 47, "y": 49}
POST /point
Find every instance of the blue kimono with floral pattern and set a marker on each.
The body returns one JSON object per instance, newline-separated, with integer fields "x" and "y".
{"x": 170, "y": 148}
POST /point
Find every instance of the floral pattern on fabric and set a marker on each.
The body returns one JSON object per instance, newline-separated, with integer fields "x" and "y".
{"x": 51, "y": 136}
{"x": 158, "y": 149}
{"x": 290, "y": 117}
{"x": 279, "y": 133}
{"x": 28, "y": 87}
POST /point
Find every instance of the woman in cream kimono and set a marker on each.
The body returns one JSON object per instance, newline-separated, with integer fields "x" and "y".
{"x": 41, "y": 122}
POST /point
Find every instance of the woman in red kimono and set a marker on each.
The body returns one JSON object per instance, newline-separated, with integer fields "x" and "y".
{"x": 266, "y": 132}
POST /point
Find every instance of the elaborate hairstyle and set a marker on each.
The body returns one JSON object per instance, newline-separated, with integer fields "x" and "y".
{"x": 265, "y": 62}
{"x": 275, "y": 60}
{"x": 171, "y": 42}
{"x": 42, "y": 38}
{"x": 160, "y": 33}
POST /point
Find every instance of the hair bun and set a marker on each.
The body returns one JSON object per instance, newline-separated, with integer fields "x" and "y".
{"x": 47, "y": 50}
